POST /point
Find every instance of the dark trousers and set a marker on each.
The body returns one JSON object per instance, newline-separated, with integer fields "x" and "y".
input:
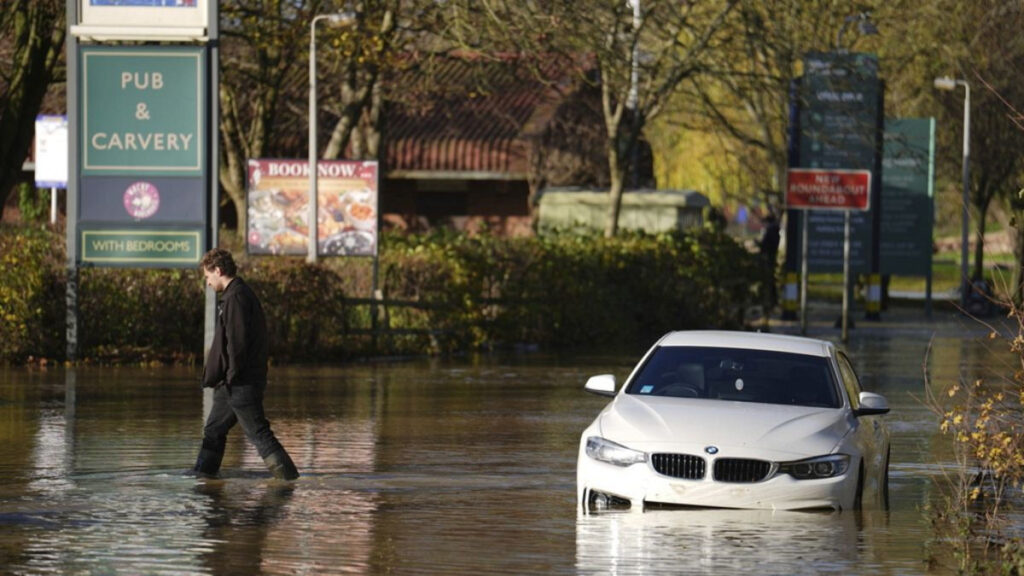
{"x": 242, "y": 404}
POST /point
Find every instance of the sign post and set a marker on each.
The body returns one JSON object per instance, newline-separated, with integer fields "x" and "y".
{"x": 835, "y": 165}
{"x": 142, "y": 171}
{"x": 819, "y": 189}
{"x": 51, "y": 156}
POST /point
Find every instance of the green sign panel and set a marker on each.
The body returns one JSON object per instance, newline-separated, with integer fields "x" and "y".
{"x": 142, "y": 110}
{"x": 908, "y": 163}
{"x": 141, "y": 247}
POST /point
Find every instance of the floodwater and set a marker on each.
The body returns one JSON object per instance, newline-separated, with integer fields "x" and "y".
{"x": 419, "y": 467}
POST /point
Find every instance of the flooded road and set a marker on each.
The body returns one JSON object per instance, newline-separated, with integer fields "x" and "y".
{"x": 418, "y": 467}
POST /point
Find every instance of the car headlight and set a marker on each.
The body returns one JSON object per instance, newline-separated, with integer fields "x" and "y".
{"x": 816, "y": 468}
{"x": 607, "y": 451}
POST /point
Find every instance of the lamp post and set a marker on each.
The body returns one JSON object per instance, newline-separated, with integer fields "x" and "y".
{"x": 339, "y": 18}
{"x": 948, "y": 84}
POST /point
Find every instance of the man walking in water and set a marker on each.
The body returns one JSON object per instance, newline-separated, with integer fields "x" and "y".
{"x": 236, "y": 368}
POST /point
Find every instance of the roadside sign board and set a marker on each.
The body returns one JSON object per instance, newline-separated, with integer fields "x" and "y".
{"x": 142, "y": 145}
{"x": 839, "y": 121}
{"x": 51, "y": 151}
{"x": 908, "y": 195}
{"x": 142, "y": 19}
{"x": 134, "y": 247}
{"x": 142, "y": 110}
{"x": 833, "y": 189}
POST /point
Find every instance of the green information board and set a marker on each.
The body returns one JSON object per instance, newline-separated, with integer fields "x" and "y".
{"x": 907, "y": 190}
{"x": 142, "y": 110}
{"x": 839, "y": 129}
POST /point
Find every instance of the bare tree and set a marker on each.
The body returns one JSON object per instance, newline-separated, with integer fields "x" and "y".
{"x": 264, "y": 45}
{"x": 980, "y": 43}
{"x": 744, "y": 100}
{"x": 642, "y": 51}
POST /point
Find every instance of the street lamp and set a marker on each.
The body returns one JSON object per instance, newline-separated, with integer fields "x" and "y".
{"x": 345, "y": 18}
{"x": 948, "y": 84}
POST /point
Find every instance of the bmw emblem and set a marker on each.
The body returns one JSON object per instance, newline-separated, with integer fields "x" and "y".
{"x": 711, "y": 450}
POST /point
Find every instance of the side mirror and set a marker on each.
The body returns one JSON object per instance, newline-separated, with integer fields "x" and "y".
{"x": 602, "y": 385}
{"x": 871, "y": 404}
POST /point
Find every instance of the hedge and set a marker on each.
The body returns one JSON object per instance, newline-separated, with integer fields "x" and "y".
{"x": 445, "y": 293}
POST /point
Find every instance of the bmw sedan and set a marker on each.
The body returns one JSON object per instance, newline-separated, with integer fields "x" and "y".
{"x": 717, "y": 419}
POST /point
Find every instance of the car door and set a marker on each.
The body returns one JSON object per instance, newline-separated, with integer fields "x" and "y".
{"x": 871, "y": 433}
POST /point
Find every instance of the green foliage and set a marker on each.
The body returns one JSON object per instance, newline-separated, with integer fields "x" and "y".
{"x": 441, "y": 293}
{"x": 140, "y": 314}
{"x": 31, "y": 292}
{"x": 976, "y": 511}
{"x": 32, "y": 203}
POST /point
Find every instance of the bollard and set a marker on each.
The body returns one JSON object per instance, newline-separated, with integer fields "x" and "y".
{"x": 873, "y": 304}
{"x": 790, "y": 293}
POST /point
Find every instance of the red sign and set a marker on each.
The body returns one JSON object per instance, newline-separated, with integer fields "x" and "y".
{"x": 812, "y": 188}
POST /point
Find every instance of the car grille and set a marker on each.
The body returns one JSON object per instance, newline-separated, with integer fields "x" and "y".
{"x": 741, "y": 470}
{"x": 683, "y": 466}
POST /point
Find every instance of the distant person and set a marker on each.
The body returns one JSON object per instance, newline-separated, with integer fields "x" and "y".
{"x": 236, "y": 369}
{"x": 769, "y": 247}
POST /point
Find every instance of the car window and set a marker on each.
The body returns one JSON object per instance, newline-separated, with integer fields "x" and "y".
{"x": 850, "y": 380}
{"x": 738, "y": 375}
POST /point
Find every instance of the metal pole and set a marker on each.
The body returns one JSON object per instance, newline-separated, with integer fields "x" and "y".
{"x": 311, "y": 247}
{"x": 71, "y": 224}
{"x": 803, "y": 271}
{"x": 965, "y": 283}
{"x": 846, "y": 275}
{"x": 213, "y": 182}
{"x": 633, "y": 100}
{"x": 53, "y": 205}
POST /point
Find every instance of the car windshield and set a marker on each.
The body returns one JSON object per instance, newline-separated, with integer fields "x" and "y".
{"x": 737, "y": 374}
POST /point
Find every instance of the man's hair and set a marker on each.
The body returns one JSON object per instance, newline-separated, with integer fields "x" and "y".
{"x": 219, "y": 258}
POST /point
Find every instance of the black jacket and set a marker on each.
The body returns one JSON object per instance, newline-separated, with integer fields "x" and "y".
{"x": 238, "y": 355}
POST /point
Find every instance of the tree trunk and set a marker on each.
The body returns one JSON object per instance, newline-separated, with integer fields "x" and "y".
{"x": 232, "y": 173}
{"x": 36, "y": 29}
{"x": 1017, "y": 293}
{"x": 614, "y": 198}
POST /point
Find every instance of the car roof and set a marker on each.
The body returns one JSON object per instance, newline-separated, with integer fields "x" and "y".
{"x": 748, "y": 340}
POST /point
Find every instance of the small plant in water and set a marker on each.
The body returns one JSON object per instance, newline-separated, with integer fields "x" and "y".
{"x": 977, "y": 527}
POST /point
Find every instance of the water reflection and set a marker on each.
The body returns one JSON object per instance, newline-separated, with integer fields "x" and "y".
{"x": 725, "y": 542}
{"x": 238, "y": 524}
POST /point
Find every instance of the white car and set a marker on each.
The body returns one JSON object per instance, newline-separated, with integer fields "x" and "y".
{"x": 736, "y": 420}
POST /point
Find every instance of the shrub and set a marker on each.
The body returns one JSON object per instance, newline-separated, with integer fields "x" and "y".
{"x": 974, "y": 516}
{"x": 31, "y": 292}
{"x": 440, "y": 293}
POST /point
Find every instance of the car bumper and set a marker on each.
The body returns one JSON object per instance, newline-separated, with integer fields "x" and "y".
{"x": 642, "y": 487}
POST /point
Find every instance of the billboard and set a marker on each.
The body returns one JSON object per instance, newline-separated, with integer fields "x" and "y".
{"x": 278, "y": 207}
